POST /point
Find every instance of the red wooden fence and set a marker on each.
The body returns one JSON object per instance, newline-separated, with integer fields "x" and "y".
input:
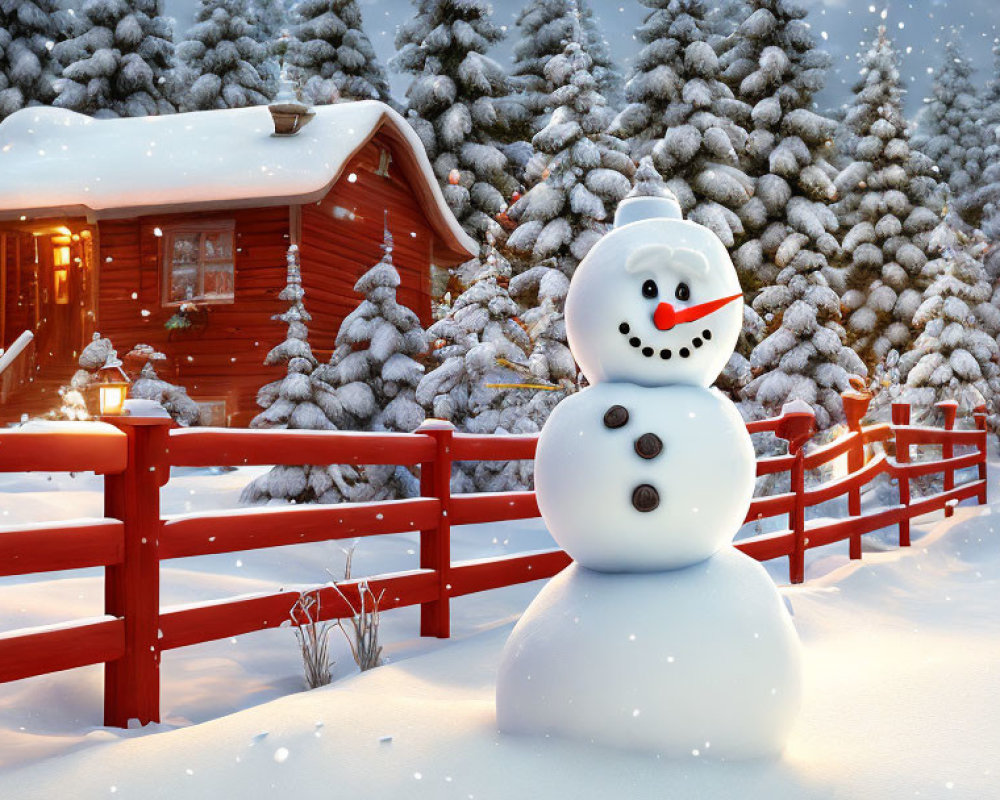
{"x": 133, "y": 538}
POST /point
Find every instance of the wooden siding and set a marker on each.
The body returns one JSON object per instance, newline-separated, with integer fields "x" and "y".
{"x": 337, "y": 250}
{"x": 222, "y": 355}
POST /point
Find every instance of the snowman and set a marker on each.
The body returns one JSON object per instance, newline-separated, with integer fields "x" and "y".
{"x": 661, "y": 636}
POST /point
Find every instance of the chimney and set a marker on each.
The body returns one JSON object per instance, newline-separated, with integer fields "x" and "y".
{"x": 288, "y": 113}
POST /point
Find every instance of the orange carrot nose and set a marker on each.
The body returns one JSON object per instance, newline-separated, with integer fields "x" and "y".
{"x": 666, "y": 316}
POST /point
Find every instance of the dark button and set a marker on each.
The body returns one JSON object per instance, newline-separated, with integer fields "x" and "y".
{"x": 635, "y": 341}
{"x": 706, "y": 335}
{"x": 685, "y": 352}
{"x": 649, "y": 445}
{"x": 645, "y": 498}
{"x": 647, "y": 351}
{"x": 664, "y": 354}
{"x": 623, "y": 327}
{"x": 615, "y": 417}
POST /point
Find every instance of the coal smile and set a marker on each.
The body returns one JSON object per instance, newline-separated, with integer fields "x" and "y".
{"x": 685, "y": 352}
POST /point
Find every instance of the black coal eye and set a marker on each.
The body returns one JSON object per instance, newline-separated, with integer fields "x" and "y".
{"x": 683, "y": 292}
{"x": 649, "y": 289}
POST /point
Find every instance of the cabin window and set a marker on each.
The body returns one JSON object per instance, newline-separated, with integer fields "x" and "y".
{"x": 198, "y": 264}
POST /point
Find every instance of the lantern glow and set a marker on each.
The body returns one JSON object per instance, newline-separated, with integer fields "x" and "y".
{"x": 112, "y": 385}
{"x": 112, "y": 397}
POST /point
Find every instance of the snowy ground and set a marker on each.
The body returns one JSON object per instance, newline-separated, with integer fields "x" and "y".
{"x": 902, "y": 657}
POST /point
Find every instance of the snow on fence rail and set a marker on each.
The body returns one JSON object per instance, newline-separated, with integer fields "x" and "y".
{"x": 136, "y": 454}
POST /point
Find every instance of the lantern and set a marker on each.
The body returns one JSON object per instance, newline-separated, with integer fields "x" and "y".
{"x": 112, "y": 386}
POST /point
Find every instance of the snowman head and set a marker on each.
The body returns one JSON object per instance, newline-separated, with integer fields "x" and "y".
{"x": 656, "y": 301}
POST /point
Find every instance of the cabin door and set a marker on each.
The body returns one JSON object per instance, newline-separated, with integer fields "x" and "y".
{"x": 64, "y": 273}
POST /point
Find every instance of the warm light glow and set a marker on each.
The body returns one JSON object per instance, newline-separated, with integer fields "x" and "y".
{"x": 112, "y": 398}
{"x": 60, "y": 256}
{"x": 61, "y": 286}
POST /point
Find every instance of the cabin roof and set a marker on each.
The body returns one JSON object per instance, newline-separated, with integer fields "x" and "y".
{"x": 55, "y": 162}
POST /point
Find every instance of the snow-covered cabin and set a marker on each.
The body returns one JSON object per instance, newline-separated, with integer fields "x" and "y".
{"x": 122, "y": 225}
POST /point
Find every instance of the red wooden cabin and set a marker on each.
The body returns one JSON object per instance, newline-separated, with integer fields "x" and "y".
{"x": 117, "y": 226}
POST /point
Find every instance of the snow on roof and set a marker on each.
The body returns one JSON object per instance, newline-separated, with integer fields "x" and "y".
{"x": 57, "y": 162}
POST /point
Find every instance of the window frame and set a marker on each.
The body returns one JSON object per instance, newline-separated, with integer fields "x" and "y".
{"x": 202, "y": 229}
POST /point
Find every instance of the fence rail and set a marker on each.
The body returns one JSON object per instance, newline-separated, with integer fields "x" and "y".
{"x": 133, "y": 538}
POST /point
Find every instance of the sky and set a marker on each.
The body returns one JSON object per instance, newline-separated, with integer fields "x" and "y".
{"x": 843, "y": 27}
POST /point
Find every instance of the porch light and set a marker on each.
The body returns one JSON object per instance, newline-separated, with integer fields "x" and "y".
{"x": 112, "y": 386}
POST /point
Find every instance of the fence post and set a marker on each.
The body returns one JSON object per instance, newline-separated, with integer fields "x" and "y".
{"x": 855, "y": 407}
{"x": 435, "y": 543}
{"x": 979, "y": 415}
{"x": 795, "y": 428}
{"x": 132, "y": 588}
{"x": 950, "y": 409}
{"x": 900, "y": 421}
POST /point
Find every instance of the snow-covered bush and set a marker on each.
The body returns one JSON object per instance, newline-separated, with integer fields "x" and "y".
{"x": 149, "y": 386}
{"x": 99, "y": 354}
{"x": 118, "y": 62}
{"x": 333, "y": 55}
{"x": 224, "y": 63}
{"x": 680, "y": 112}
{"x": 889, "y": 205}
{"x": 459, "y": 105}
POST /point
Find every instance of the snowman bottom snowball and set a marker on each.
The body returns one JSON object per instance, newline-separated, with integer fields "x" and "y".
{"x": 702, "y": 661}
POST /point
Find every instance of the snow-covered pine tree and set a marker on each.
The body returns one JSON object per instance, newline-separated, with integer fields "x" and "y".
{"x": 682, "y": 114}
{"x": 478, "y": 350}
{"x": 375, "y": 369}
{"x": 955, "y": 357}
{"x": 544, "y": 27}
{"x": 950, "y": 133}
{"x": 118, "y": 63}
{"x": 28, "y": 31}
{"x": 985, "y": 201}
{"x": 272, "y": 18}
{"x": 459, "y": 104}
{"x": 724, "y": 17}
{"x": 889, "y": 205}
{"x": 333, "y": 54}
{"x": 580, "y": 172}
{"x": 804, "y": 355}
{"x": 480, "y": 328}
{"x": 224, "y": 66}
{"x": 300, "y": 401}
{"x": 541, "y": 292}
{"x": 773, "y": 65}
